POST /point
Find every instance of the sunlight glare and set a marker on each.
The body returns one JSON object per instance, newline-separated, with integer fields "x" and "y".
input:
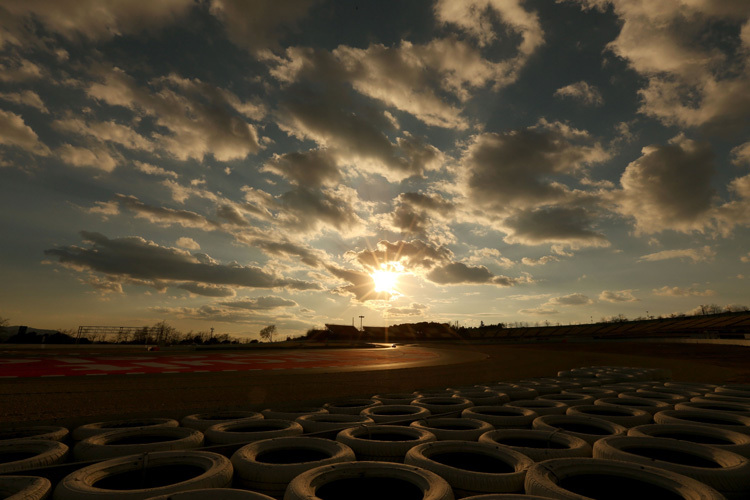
{"x": 385, "y": 281}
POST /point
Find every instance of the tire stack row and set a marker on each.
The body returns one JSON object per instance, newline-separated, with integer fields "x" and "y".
{"x": 591, "y": 432}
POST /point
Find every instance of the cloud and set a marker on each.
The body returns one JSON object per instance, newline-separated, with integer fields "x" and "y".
{"x": 562, "y": 225}
{"x": 208, "y": 290}
{"x": 188, "y": 243}
{"x": 17, "y": 133}
{"x": 539, "y": 310}
{"x": 411, "y": 255}
{"x": 573, "y": 299}
{"x": 18, "y": 70}
{"x": 675, "y": 291}
{"x": 413, "y": 309}
{"x": 109, "y": 131}
{"x": 741, "y": 154}
{"x": 546, "y": 259}
{"x": 26, "y": 98}
{"x": 457, "y": 273}
{"x": 668, "y": 187}
{"x": 311, "y": 169}
{"x": 361, "y": 284}
{"x": 618, "y": 296}
{"x": 704, "y": 254}
{"x": 98, "y": 157}
{"x": 745, "y": 258}
{"x": 139, "y": 259}
{"x": 149, "y": 169}
{"x": 581, "y": 91}
{"x": 420, "y": 215}
{"x": 165, "y": 216}
{"x": 198, "y": 118}
{"x": 260, "y": 303}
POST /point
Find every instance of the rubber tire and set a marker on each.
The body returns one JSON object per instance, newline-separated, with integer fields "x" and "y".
{"x": 514, "y": 391}
{"x": 540, "y": 406}
{"x": 328, "y": 425}
{"x": 506, "y": 496}
{"x": 272, "y": 478}
{"x": 724, "y": 406}
{"x": 473, "y": 428}
{"x": 502, "y": 417}
{"x": 731, "y": 478}
{"x": 99, "y": 447}
{"x": 543, "y": 479}
{"x": 403, "y": 414}
{"x": 202, "y": 421}
{"x": 466, "y": 482}
{"x": 659, "y": 396}
{"x": 650, "y": 405}
{"x": 624, "y": 415}
{"x": 363, "y": 441}
{"x": 722, "y": 420}
{"x": 484, "y": 397}
{"x": 51, "y": 432}
{"x": 214, "y": 494}
{"x": 443, "y": 406}
{"x": 395, "y": 398}
{"x": 550, "y": 423}
{"x": 570, "y": 399}
{"x": 350, "y": 407}
{"x": 597, "y": 392}
{"x": 92, "y": 429}
{"x": 45, "y": 452}
{"x": 304, "y": 486}
{"x": 574, "y": 446}
{"x": 735, "y": 441}
{"x": 24, "y": 487}
{"x": 293, "y": 414}
{"x": 80, "y": 485}
{"x": 231, "y": 433}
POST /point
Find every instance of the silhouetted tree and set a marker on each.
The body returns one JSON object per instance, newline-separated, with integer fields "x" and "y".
{"x": 267, "y": 333}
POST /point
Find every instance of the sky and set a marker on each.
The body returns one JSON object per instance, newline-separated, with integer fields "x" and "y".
{"x": 232, "y": 164}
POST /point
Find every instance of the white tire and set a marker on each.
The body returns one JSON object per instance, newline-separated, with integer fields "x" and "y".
{"x": 587, "y": 478}
{"x": 590, "y": 429}
{"x": 24, "y": 454}
{"x": 623, "y": 415}
{"x": 650, "y": 405}
{"x": 268, "y": 466}
{"x": 202, "y": 421}
{"x": 454, "y": 428}
{"x": 92, "y": 429}
{"x": 539, "y": 445}
{"x": 472, "y": 468}
{"x": 214, "y": 494}
{"x": 351, "y": 407}
{"x": 24, "y": 487}
{"x": 719, "y": 419}
{"x": 727, "y": 472}
{"x": 386, "y": 443}
{"x": 137, "y": 477}
{"x": 380, "y": 479}
{"x": 502, "y": 417}
{"x": 293, "y": 413}
{"x": 134, "y": 441}
{"x": 247, "y": 431}
{"x": 540, "y": 406}
{"x": 329, "y": 424}
{"x": 725, "y": 406}
{"x": 396, "y": 414}
{"x": 51, "y": 432}
{"x": 703, "y": 434}
{"x": 443, "y": 406}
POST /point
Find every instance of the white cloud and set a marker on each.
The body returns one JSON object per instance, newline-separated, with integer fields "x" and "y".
{"x": 98, "y": 157}
{"x": 188, "y": 243}
{"x": 539, "y": 310}
{"x": 581, "y": 91}
{"x": 573, "y": 299}
{"x": 17, "y": 133}
{"x": 676, "y": 291}
{"x": 704, "y": 254}
{"x": 150, "y": 169}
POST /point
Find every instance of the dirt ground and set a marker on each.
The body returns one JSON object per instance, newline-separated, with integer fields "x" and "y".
{"x": 72, "y": 401}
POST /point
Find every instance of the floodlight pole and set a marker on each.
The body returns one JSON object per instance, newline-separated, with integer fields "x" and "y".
{"x": 361, "y": 318}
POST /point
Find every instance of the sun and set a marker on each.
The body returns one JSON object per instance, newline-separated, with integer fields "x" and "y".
{"x": 385, "y": 281}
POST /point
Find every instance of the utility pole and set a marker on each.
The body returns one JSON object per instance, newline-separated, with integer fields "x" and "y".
{"x": 361, "y": 318}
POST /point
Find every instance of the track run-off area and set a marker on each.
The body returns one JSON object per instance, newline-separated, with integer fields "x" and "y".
{"x": 80, "y": 362}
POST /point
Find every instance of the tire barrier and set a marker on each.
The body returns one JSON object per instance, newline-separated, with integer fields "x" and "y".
{"x": 650, "y": 405}
{"x": 268, "y": 466}
{"x": 472, "y": 468}
{"x": 293, "y": 413}
{"x": 88, "y": 430}
{"x": 401, "y": 414}
{"x": 570, "y": 399}
{"x": 395, "y": 398}
{"x": 587, "y": 478}
{"x": 328, "y": 425}
{"x": 737, "y": 390}
{"x": 214, "y": 494}
{"x": 692, "y": 386}
{"x": 727, "y": 472}
{"x": 24, "y": 487}
{"x": 350, "y": 407}
{"x": 202, "y": 421}
{"x": 246, "y": 431}
{"x": 454, "y": 428}
{"x": 720, "y": 419}
{"x": 379, "y": 479}
{"x": 543, "y": 389}
{"x": 725, "y": 406}
{"x": 720, "y": 396}
{"x": 688, "y": 393}
{"x": 540, "y": 406}
{"x": 590, "y": 429}
{"x": 435, "y": 393}
{"x": 539, "y": 445}
{"x": 50, "y": 432}
{"x": 622, "y": 415}
{"x": 502, "y": 417}
{"x": 484, "y": 397}
{"x": 443, "y": 405}
{"x": 24, "y": 454}
{"x": 146, "y": 476}
{"x": 383, "y": 443}
{"x": 647, "y": 393}
{"x": 597, "y": 392}
{"x": 514, "y": 391}
{"x": 124, "y": 442}
{"x": 702, "y": 434}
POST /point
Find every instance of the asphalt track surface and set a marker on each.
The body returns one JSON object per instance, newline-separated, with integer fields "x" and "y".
{"x": 71, "y": 400}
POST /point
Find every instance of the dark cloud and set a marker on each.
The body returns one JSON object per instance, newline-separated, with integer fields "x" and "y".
{"x": 165, "y": 216}
{"x": 415, "y": 213}
{"x": 361, "y": 284}
{"x": 457, "y": 273}
{"x": 136, "y": 258}
{"x": 17, "y": 133}
{"x": 260, "y": 303}
{"x": 573, "y": 299}
{"x": 618, "y": 296}
{"x": 568, "y": 226}
{"x": 231, "y": 214}
{"x": 207, "y": 290}
{"x": 411, "y": 255}
{"x": 310, "y": 169}
{"x": 414, "y": 309}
